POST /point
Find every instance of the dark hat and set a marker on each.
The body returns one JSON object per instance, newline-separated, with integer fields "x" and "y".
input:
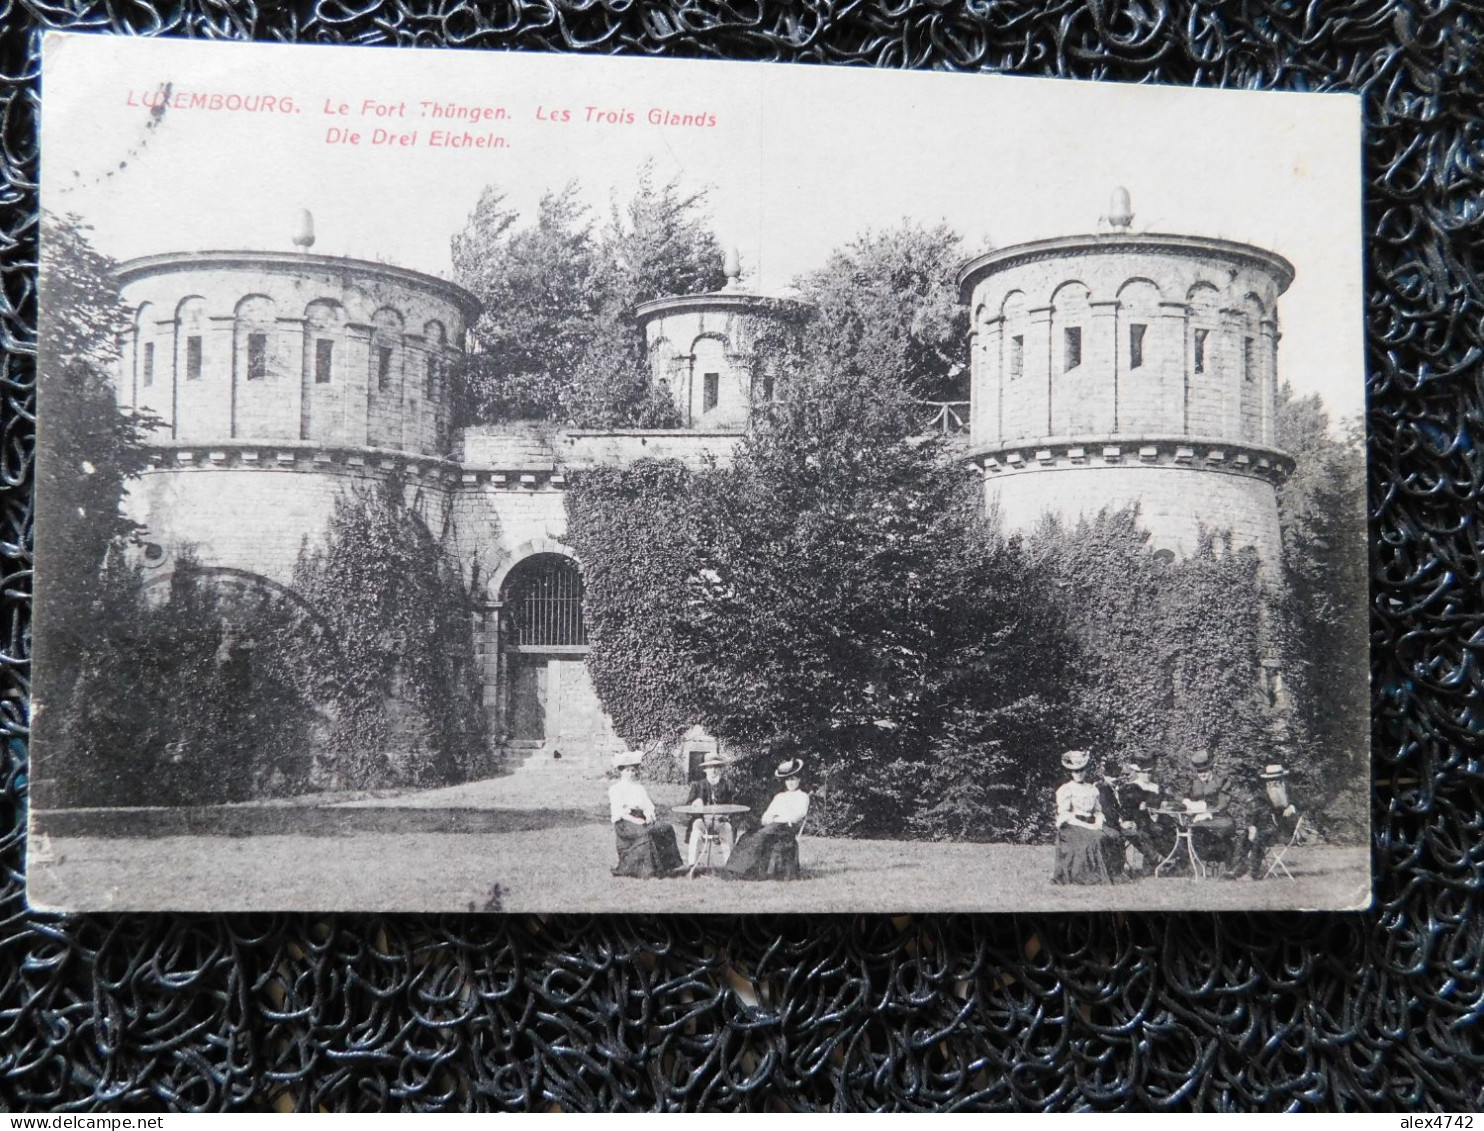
{"x": 1138, "y": 762}
{"x": 1273, "y": 771}
{"x": 789, "y": 769}
{"x": 1198, "y": 756}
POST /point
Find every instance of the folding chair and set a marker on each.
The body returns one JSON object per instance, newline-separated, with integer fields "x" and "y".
{"x": 1276, "y": 864}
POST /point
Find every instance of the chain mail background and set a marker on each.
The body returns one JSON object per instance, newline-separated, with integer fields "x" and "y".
{"x": 1239, "y": 1011}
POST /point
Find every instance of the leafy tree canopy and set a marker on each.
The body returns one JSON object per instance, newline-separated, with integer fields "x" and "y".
{"x": 89, "y": 446}
{"x": 888, "y": 310}
{"x": 1326, "y": 557}
{"x": 836, "y": 592}
{"x": 557, "y": 339}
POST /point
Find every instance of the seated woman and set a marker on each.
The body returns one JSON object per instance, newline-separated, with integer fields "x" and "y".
{"x": 1080, "y": 831}
{"x": 772, "y": 852}
{"x": 645, "y": 848}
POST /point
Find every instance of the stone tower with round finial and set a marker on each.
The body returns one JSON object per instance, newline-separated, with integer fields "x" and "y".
{"x": 1122, "y": 367}
{"x": 720, "y": 354}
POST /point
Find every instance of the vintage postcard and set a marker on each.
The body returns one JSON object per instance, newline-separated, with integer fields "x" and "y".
{"x": 506, "y": 482}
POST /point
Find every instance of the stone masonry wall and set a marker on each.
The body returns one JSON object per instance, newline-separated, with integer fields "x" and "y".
{"x": 1172, "y": 502}
{"x": 1207, "y": 349}
{"x": 189, "y": 357}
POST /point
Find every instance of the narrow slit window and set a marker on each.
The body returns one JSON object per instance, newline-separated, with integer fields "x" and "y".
{"x": 1071, "y": 348}
{"x": 1247, "y": 373}
{"x": 193, "y": 358}
{"x": 324, "y": 360}
{"x": 1199, "y": 363}
{"x": 383, "y": 367}
{"x": 148, "y": 376}
{"x": 257, "y": 357}
{"x": 1136, "y": 345}
{"x": 711, "y": 393}
{"x": 1017, "y": 356}
{"x": 430, "y": 385}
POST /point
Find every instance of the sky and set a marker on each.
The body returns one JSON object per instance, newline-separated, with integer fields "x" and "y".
{"x": 798, "y": 160}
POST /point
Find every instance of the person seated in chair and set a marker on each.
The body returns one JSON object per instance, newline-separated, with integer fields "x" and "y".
{"x": 1136, "y": 797}
{"x": 772, "y": 852}
{"x": 1273, "y": 821}
{"x": 1210, "y": 799}
{"x": 645, "y": 849}
{"x": 1081, "y": 827}
{"x": 711, "y": 789}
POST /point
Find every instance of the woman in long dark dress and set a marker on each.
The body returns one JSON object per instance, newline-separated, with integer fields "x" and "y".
{"x": 1080, "y": 830}
{"x": 772, "y": 852}
{"x": 645, "y": 848}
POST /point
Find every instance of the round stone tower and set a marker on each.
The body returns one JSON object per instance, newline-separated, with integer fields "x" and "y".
{"x": 278, "y": 375}
{"x": 721, "y": 353}
{"x": 1118, "y": 367}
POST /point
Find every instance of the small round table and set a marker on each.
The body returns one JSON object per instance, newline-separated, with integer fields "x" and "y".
{"x": 709, "y": 815}
{"x": 1184, "y": 821}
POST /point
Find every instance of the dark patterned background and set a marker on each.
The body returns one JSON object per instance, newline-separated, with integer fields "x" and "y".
{"x": 1376, "y": 1010}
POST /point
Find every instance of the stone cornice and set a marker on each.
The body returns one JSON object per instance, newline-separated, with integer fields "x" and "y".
{"x": 305, "y": 456}
{"x": 1195, "y": 453}
{"x": 294, "y": 262}
{"x": 1152, "y": 243}
{"x": 734, "y": 302}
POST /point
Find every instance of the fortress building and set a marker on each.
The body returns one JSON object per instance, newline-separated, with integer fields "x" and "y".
{"x": 1107, "y": 368}
{"x": 1120, "y": 367}
{"x": 283, "y": 378}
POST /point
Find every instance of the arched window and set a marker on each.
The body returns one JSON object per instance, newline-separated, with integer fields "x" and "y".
{"x": 543, "y": 595}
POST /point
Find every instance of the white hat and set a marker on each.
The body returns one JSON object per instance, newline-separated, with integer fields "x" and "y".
{"x": 627, "y": 758}
{"x": 1273, "y": 771}
{"x": 1075, "y": 759}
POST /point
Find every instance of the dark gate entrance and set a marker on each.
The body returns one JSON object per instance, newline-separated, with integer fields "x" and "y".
{"x": 550, "y": 699}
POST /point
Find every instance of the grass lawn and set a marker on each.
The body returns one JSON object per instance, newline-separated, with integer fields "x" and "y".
{"x": 566, "y": 869}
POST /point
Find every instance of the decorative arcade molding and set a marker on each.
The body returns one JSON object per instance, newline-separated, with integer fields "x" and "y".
{"x": 1196, "y": 453}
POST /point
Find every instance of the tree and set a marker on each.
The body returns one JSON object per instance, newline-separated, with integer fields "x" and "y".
{"x": 836, "y": 591}
{"x": 557, "y": 339}
{"x": 541, "y": 298}
{"x": 888, "y": 309}
{"x": 89, "y": 450}
{"x": 659, "y": 244}
{"x": 1326, "y": 556}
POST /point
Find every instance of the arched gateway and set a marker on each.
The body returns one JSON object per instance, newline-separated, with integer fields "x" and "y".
{"x": 550, "y": 701}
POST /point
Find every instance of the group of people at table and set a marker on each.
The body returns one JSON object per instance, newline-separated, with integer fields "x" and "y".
{"x": 1130, "y": 825}
{"x": 720, "y": 834}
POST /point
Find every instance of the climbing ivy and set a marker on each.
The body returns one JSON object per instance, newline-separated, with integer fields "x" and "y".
{"x": 402, "y": 683}
{"x": 185, "y": 697}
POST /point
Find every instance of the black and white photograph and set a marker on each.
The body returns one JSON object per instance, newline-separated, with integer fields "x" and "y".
{"x": 499, "y": 482}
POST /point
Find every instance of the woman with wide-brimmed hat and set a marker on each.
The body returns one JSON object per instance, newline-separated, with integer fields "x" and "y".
{"x": 645, "y": 848}
{"x": 1080, "y": 829}
{"x": 772, "y": 852}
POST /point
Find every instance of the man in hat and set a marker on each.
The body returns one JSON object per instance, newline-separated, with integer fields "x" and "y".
{"x": 711, "y": 789}
{"x": 1136, "y": 796}
{"x": 1273, "y": 820}
{"x": 1210, "y": 797}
